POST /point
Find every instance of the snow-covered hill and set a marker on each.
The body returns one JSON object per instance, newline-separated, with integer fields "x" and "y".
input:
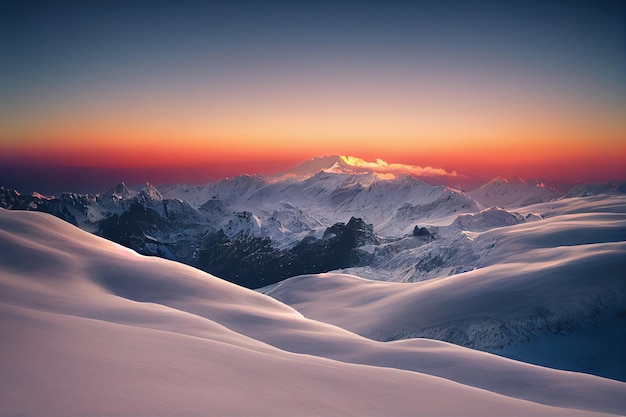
{"x": 92, "y": 328}
{"x": 550, "y": 291}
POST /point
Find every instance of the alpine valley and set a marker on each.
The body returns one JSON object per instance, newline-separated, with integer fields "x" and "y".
{"x": 356, "y": 265}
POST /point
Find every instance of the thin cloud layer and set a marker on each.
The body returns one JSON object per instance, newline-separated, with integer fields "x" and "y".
{"x": 382, "y": 167}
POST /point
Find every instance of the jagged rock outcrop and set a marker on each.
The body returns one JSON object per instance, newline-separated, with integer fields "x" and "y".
{"x": 254, "y": 262}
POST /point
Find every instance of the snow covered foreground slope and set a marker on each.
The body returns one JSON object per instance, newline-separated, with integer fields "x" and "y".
{"x": 91, "y": 328}
{"x": 550, "y": 292}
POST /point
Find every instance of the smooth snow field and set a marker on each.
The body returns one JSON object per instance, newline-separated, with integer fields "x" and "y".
{"x": 90, "y": 328}
{"x": 550, "y": 292}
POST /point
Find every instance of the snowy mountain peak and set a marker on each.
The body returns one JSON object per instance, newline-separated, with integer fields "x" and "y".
{"x": 149, "y": 192}
{"x": 121, "y": 191}
{"x": 515, "y": 192}
{"x": 487, "y": 219}
{"x": 37, "y": 195}
{"x": 497, "y": 180}
{"x": 517, "y": 182}
{"x": 314, "y": 165}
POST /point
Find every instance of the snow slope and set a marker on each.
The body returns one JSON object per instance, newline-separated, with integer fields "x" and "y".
{"x": 91, "y": 328}
{"x": 516, "y": 192}
{"x": 460, "y": 246}
{"x": 551, "y": 292}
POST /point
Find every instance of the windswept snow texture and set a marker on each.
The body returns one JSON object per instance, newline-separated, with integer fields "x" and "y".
{"x": 550, "y": 291}
{"x": 91, "y": 328}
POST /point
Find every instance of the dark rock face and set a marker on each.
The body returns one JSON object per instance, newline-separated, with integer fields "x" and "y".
{"x": 12, "y": 200}
{"x": 253, "y": 262}
{"x": 68, "y": 206}
{"x": 338, "y": 248}
{"x": 421, "y": 232}
{"x": 9, "y": 199}
{"x": 133, "y": 228}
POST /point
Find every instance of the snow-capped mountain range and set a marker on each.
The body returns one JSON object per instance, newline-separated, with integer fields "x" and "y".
{"x": 257, "y": 230}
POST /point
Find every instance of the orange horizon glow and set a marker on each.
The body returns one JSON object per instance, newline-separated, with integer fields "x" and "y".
{"x": 505, "y": 127}
{"x": 456, "y": 120}
{"x": 574, "y": 160}
{"x": 506, "y": 131}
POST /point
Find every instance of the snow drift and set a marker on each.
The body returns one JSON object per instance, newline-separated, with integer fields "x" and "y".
{"x": 91, "y": 328}
{"x": 551, "y": 291}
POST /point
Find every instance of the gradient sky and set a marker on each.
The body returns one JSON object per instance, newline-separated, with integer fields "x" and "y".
{"x": 188, "y": 90}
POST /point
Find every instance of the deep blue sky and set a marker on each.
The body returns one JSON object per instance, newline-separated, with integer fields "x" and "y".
{"x": 73, "y": 42}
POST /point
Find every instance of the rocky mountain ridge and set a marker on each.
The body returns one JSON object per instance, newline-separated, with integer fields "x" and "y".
{"x": 321, "y": 216}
